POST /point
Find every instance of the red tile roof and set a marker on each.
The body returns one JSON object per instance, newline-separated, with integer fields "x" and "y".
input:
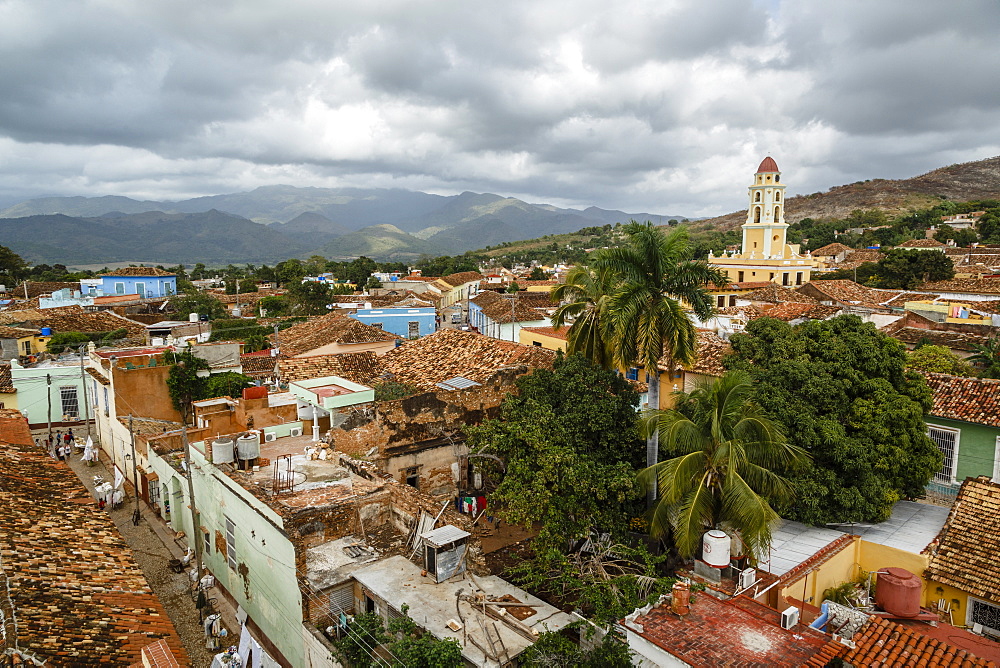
{"x": 38, "y": 288}
{"x": 462, "y": 277}
{"x": 448, "y": 353}
{"x": 560, "y": 333}
{"x": 981, "y": 286}
{"x": 835, "y": 248}
{"x": 886, "y": 644}
{"x": 79, "y": 596}
{"x": 512, "y": 310}
{"x": 788, "y": 312}
{"x": 921, "y": 243}
{"x": 964, "y": 553}
{"x": 327, "y": 329}
{"x": 362, "y": 367}
{"x": 975, "y": 400}
{"x": 138, "y": 271}
{"x": 737, "y": 632}
{"x": 6, "y": 381}
{"x": 257, "y": 366}
{"x": 777, "y": 294}
{"x": 709, "y": 351}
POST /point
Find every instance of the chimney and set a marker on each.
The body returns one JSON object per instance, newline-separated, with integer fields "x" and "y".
{"x": 680, "y": 600}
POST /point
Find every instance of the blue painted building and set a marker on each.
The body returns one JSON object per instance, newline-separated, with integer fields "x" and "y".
{"x": 148, "y": 282}
{"x": 404, "y": 321}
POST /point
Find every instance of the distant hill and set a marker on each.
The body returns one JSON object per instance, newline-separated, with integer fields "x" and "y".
{"x": 385, "y": 242}
{"x": 315, "y": 218}
{"x": 961, "y": 183}
{"x": 209, "y": 237}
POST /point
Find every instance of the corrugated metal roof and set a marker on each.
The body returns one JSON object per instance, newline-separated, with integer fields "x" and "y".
{"x": 444, "y": 535}
{"x": 457, "y": 383}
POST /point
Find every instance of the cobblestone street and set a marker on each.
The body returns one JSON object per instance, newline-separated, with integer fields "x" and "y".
{"x": 152, "y": 553}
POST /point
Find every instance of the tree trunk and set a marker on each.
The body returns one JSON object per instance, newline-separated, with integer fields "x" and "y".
{"x": 653, "y": 440}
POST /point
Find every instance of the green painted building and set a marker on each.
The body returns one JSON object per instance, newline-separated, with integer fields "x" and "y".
{"x": 965, "y": 423}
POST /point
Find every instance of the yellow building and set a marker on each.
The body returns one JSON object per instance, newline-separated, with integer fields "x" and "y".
{"x": 765, "y": 255}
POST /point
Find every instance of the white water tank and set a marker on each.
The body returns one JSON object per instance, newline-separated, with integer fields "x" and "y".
{"x": 248, "y": 447}
{"x": 192, "y": 317}
{"x": 715, "y": 548}
{"x": 222, "y": 451}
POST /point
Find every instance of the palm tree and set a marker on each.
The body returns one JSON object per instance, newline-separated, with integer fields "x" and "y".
{"x": 987, "y": 357}
{"x": 726, "y": 472}
{"x": 583, "y": 299}
{"x": 654, "y": 275}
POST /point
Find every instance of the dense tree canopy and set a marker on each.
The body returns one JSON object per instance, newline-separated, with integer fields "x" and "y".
{"x": 938, "y": 359}
{"x": 570, "y": 445}
{"x": 906, "y": 269}
{"x": 183, "y": 382}
{"x": 841, "y": 391}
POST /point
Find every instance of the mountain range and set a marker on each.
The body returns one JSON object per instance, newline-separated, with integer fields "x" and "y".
{"x": 273, "y": 223}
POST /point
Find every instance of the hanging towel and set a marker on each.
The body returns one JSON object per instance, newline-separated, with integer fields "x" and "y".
{"x": 481, "y": 502}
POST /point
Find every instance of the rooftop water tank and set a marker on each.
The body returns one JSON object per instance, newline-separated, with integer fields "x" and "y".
{"x": 222, "y": 451}
{"x": 715, "y": 548}
{"x": 46, "y": 331}
{"x": 897, "y": 591}
{"x": 192, "y": 317}
{"x": 248, "y": 447}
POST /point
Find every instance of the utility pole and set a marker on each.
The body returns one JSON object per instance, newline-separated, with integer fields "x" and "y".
{"x": 137, "y": 515}
{"x": 48, "y": 394}
{"x": 83, "y": 387}
{"x": 195, "y": 529}
{"x": 277, "y": 349}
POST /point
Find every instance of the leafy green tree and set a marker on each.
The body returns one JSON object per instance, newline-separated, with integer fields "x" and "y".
{"x": 840, "y": 390}
{"x": 199, "y": 302}
{"x": 962, "y": 238}
{"x": 289, "y": 272}
{"x": 183, "y": 382}
{"x": 274, "y": 305}
{"x": 67, "y": 341}
{"x": 726, "y": 466}
{"x": 227, "y": 384}
{"x": 906, "y": 269}
{"x": 364, "y": 633}
{"x": 568, "y": 442}
{"x": 938, "y": 359}
{"x": 12, "y": 265}
{"x": 653, "y": 276}
{"x": 373, "y": 283}
{"x": 583, "y": 299}
{"x": 865, "y": 274}
{"x": 987, "y": 357}
{"x": 407, "y": 646}
{"x": 555, "y": 650}
{"x": 360, "y": 269}
{"x": 537, "y": 274}
{"x": 309, "y": 297}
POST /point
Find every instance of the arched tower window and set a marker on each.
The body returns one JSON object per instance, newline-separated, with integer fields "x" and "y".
{"x": 756, "y": 214}
{"x": 777, "y": 212}
{"x": 756, "y": 196}
{"x": 777, "y": 197}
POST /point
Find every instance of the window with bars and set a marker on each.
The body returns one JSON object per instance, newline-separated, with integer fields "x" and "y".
{"x": 232, "y": 557}
{"x": 107, "y": 403}
{"x": 947, "y": 442}
{"x": 70, "y": 401}
{"x": 985, "y": 614}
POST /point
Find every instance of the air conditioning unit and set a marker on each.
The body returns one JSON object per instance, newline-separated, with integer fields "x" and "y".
{"x": 747, "y": 577}
{"x": 295, "y": 431}
{"x": 789, "y": 618}
{"x": 270, "y": 436}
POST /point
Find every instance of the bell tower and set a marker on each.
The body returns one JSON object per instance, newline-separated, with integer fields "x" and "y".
{"x": 764, "y": 233}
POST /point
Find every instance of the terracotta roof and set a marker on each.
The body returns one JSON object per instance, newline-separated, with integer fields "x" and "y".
{"x": 921, "y": 243}
{"x": 744, "y": 285}
{"x": 861, "y": 256}
{"x": 983, "y": 286}
{"x": 967, "y": 399}
{"x": 138, "y": 271}
{"x": 985, "y": 259}
{"x": 964, "y": 553}
{"x": 884, "y": 643}
{"x": 789, "y": 312}
{"x": 448, "y": 353}
{"x": 98, "y": 376}
{"x": 897, "y": 299}
{"x": 737, "y": 632}
{"x": 79, "y": 596}
{"x": 767, "y": 165}
{"x": 6, "y": 381}
{"x": 362, "y": 367}
{"x": 74, "y": 319}
{"x": 777, "y": 294}
{"x": 749, "y": 312}
{"x": 843, "y": 291}
{"x": 949, "y": 339}
{"x": 560, "y": 333}
{"x": 503, "y": 311}
{"x": 462, "y": 277}
{"x": 38, "y": 288}
{"x": 835, "y": 248}
{"x": 257, "y": 366}
{"x": 16, "y": 332}
{"x": 710, "y": 349}
{"x": 486, "y": 297}
{"x": 820, "y": 557}
{"x": 327, "y": 329}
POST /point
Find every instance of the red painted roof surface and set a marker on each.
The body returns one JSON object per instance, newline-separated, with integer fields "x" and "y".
{"x": 767, "y": 165}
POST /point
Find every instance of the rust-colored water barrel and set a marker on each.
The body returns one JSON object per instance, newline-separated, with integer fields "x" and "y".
{"x": 897, "y": 591}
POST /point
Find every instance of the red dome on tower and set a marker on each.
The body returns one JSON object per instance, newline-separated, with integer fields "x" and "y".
{"x": 768, "y": 165}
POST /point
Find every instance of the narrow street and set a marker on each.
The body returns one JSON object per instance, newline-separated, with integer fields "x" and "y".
{"x": 152, "y": 548}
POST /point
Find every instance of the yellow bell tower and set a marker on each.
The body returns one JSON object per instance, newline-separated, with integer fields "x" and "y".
{"x": 765, "y": 254}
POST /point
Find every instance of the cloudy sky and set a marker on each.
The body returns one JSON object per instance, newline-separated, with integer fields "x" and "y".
{"x": 664, "y": 106}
